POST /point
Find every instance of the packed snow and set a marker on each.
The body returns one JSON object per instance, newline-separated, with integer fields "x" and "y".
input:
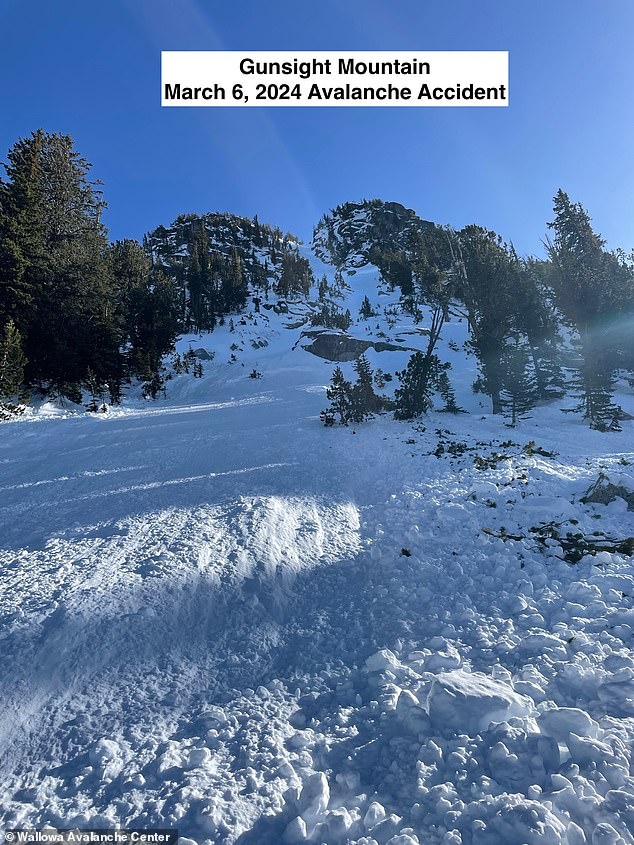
{"x": 219, "y": 616}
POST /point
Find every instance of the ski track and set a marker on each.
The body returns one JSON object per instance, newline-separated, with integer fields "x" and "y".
{"x": 230, "y": 620}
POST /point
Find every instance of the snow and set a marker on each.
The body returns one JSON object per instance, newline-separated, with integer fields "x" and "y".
{"x": 207, "y": 621}
{"x": 470, "y": 702}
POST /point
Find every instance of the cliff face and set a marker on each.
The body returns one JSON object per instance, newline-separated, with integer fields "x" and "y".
{"x": 354, "y": 232}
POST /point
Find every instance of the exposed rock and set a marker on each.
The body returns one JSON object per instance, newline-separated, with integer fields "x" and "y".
{"x": 348, "y": 235}
{"x": 341, "y": 347}
{"x": 203, "y": 354}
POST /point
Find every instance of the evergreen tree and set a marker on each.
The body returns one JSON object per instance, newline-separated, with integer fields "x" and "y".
{"x": 339, "y": 396}
{"x": 366, "y": 309}
{"x": 154, "y": 313}
{"x": 201, "y": 300}
{"x": 489, "y": 273}
{"x": 94, "y": 389}
{"x": 296, "y": 276}
{"x": 363, "y": 400}
{"x": 535, "y": 317}
{"x": 591, "y": 285}
{"x": 519, "y": 389}
{"x": 413, "y": 396}
{"x": 59, "y": 288}
{"x": 433, "y": 269}
{"x": 12, "y": 364}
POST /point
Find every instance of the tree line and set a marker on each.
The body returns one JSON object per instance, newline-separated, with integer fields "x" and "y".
{"x": 78, "y": 313}
{"x": 538, "y": 328}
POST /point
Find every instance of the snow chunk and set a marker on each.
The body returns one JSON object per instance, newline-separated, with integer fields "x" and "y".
{"x": 296, "y": 831}
{"x": 314, "y": 798}
{"x": 410, "y": 714}
{"x": 542, "y": 643}
{"x": 198, "y": 757}
{"x": 106, "y": 756}
{"x": 605, "y": 834}
{"x": 468, "y": 702}
{"x": 103, "y": 751}
{"x": 375, "y": 813}
{"x": 382, "y": 661}
{"x": 560, "y": 722}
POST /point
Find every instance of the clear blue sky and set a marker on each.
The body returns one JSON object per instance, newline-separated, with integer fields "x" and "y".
{"x": 92, "y": 69}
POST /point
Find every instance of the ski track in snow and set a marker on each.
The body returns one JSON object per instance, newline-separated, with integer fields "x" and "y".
{"x": 227, "y": 619}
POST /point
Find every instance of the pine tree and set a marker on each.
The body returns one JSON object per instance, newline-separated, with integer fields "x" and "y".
{"x": 413, "y": 396}
{"x": 364, "y": 401}
{"x": 201, "y": 299}
{"x": 339, "y": 396}
{"x": 60, "y": 290}
{"x": 154, "y": 313}
{"x": 296, "y": 276}
{"x": 535, "y": 317}
{"x": 12, "y": 364}
{"x": 94, "y": 389}
{"x": 443, "y": 385}
{"x": 519, "y": 389}
{"x": 590, "y": 286}
{"x": 489, "y": 273}
{"x": 366, "y": 310}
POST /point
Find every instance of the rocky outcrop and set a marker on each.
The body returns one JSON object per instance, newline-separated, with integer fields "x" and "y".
{"x": 352, "y": 232}
{"x": 341, "y": 347}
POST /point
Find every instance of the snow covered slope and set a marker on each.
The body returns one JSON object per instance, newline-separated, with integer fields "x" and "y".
{"x": 218, "y": 615}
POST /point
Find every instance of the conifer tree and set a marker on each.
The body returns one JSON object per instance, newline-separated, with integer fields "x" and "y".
{"x": 591, "y": 285}
{"x": 60, "y": 289}
{"x": 154, "y": 313}
{"x": 489, "y": 279}
{"x": 535, "y": 317}
{"x": 363, "y": 400}
{"x": 339, "y": 396}
{"x": 413, "y": 396}
{"x": 519, "y": 387}
{"x": 366, "y": 309}
{"x": 12, "y": 364}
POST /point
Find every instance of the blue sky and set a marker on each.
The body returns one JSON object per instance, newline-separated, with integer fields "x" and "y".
{"x": 92, "y": 69}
